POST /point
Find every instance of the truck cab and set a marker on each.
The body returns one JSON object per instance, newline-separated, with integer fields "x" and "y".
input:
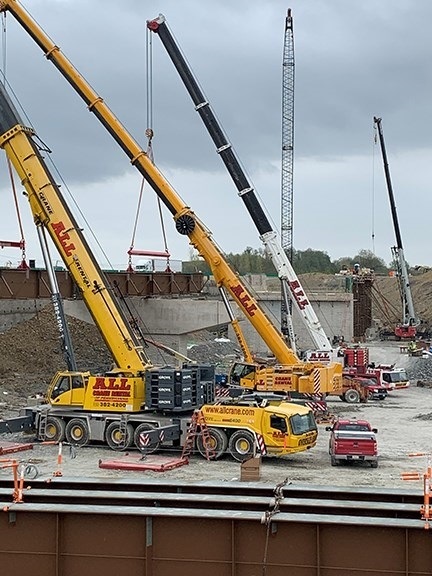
{"x": 394, "y": 378}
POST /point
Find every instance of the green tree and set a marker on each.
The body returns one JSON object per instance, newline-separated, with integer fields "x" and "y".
{"x": 367, "y": 259}
{"x": 309, "y": 260}
{"x": 195, "y": 264}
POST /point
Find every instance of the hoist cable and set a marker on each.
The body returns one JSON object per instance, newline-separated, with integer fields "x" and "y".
{"x": 149, "y": 131}
{"x": 374, "y": 141}
{"x": 8, "y": 162}
{"x": 9, "y": 165}
{"x": 4, "y": 45}
{"x": 136, "y": 216}
{"x": 149, "y": 134}
{"x": 149, "y": 78}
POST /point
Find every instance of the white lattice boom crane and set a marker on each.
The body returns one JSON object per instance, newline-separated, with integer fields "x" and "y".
{"x": 288, "y": 77}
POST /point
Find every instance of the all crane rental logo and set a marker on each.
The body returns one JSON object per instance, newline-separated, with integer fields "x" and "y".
{"x": 278, "y": 380}
{"x": 319, "y": 356}
{"x": 45, "y": 202}
{"x": 105, "y": 388}
{"x": 299, "y": 295}
{"x": 63, "y": 237}
{"x": 231, "y": 411}
{"x": 244, "y": 298}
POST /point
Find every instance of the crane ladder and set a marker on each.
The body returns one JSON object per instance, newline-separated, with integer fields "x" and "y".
{"x": 198, "y": 428}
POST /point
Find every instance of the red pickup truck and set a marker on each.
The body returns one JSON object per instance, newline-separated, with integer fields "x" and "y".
{"x": 353, "y": 440}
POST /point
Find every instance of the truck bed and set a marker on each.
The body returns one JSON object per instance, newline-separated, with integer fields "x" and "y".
{"x": 351, "y": 445}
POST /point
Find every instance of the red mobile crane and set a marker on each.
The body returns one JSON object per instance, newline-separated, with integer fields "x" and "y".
{"x": 408, "y": 327}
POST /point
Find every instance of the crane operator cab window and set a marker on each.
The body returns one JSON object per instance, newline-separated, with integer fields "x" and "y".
{"x": 241, "y": 371}
{"x": 77, "y": 382}
{"x": 62, "y": 385}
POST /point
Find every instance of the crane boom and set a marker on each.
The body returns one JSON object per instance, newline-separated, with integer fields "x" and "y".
{"x": 52, "y": 213}
{"x": 186, "y": 221}
{"x": 409, "y": 318}
{"x": 224, "y": 148}
{"x": 291, "y": 374}
{"x": 287, "y": 165}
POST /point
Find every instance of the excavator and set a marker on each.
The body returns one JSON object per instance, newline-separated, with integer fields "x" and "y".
{"x": 292, "y": 289}
{"x": 289, "y": 374}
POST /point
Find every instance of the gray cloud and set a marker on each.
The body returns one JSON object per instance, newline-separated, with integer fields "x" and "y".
{"x": 353, "y": 60}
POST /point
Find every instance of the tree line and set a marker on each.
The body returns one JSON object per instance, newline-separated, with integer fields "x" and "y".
{"x": 258, "y": 261}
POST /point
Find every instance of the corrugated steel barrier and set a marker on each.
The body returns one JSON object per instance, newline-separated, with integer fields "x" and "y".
{"x": 78, "y": 527}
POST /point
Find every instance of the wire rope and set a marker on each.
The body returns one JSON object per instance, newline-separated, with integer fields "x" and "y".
{"x": 149, "y": 134}
{"x": 374, "y": 142}
{"x": 8, "y": 162}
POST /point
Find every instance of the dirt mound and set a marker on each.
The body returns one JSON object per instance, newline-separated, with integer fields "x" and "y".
{"x": 31, "y": 354}
{"x": 221, "y": 353}
{"x": 386, "y": 298}
{"x": 421, "y": 287}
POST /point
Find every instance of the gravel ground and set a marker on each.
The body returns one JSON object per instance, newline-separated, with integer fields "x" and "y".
{"x": 403, "y": 419}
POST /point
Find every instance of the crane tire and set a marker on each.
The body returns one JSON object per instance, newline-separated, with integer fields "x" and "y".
{"x": 142, "y": 429}
{"x": 242, "y": 445}
{"x": 352, "y": 396}
{"x": 217, "y": 444}
{"x": 115, "y": 438}
{"x": 77, "y": 432}
{"x": 54, "y": 430}
{"x": 374, "y": 464}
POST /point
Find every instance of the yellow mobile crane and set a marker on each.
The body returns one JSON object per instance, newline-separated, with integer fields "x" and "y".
{"x": 290, "y": 374}
{"x": 135, "y": 403}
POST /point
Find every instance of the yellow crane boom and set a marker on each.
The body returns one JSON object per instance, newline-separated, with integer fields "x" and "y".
{"x": 304, "y": 377}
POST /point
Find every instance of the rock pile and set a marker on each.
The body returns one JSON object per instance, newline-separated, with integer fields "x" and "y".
{"x": 419, "y": 371}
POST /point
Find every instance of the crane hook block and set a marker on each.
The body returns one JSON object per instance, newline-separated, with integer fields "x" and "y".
{"x": 185, "y": 224}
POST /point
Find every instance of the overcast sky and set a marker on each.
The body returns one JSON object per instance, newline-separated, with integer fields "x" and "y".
{"x": 354, "y": 60}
